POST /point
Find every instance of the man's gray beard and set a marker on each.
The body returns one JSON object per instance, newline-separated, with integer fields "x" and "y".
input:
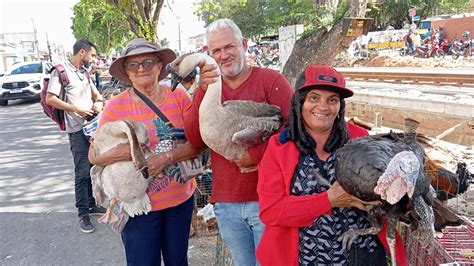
{"x": 236, "y": 72}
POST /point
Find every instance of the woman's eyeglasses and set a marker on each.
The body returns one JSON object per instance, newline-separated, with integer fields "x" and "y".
{"x": 134, "y": 66}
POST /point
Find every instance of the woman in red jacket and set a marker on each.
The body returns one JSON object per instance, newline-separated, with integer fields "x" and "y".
{"x": 303, "y": 218}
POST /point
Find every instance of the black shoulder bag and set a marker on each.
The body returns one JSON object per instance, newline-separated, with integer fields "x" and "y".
{"x": 190, "y": 167}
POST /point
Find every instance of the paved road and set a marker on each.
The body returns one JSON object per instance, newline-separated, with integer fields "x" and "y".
{"x": 38, "y": 220}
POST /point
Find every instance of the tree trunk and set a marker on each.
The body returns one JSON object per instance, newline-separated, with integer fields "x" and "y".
{"x": 321, "y": 46}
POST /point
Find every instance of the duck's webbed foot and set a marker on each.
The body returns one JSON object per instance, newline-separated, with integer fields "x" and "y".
{"x": 348, "y": 237}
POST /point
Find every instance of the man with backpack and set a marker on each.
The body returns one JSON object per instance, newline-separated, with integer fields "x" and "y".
{"x": 80, "y": 100}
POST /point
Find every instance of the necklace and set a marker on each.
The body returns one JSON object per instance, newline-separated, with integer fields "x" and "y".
{"x": 81, "y": 76}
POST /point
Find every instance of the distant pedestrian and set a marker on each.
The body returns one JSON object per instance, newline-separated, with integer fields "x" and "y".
{"x": 427, "y": 34}
{"x": 441, "y": 34}
{"x": 82, "y": 101}
{"x": 409, "y": 42}
{"x": 95, "y": 74}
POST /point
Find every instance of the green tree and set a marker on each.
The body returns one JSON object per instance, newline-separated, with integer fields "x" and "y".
{"x": 257, "y": 18}
{"x": 395, "y": 12}
{"x": 141, "y": 15}
{"x": 100, "y": 23}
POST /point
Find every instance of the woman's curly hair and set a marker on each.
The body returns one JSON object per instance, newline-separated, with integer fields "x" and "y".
{"x": 297, "y": 131}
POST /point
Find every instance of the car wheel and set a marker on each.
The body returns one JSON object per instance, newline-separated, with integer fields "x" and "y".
{"x": 3, "y": 102}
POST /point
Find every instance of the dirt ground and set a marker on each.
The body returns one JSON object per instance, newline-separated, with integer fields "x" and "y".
{"x": 391, "y": 59}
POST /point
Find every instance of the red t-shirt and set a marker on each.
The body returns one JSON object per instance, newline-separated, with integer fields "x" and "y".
{"x": 228, "y": 183}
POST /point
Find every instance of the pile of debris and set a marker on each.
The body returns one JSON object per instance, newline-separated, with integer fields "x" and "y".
{"x": 375, "y": 59}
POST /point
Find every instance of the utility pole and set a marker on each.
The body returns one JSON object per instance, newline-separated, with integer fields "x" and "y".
{"x": 49, "y": 49}
{"x": 179, "y": 33}
{"x": 179, "y": 26}
{"x": 35, "y": 44}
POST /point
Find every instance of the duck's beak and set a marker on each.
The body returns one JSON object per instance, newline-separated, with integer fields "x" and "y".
{"x": 175, "y": 78}
{"x": 144, "y": 171}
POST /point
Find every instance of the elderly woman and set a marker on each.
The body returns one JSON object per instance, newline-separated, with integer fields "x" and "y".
{"x": 304, "y": 216}
{"x": 165, "y": 230}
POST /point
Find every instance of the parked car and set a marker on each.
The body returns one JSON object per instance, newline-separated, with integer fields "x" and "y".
{"x": 23, "y": 81}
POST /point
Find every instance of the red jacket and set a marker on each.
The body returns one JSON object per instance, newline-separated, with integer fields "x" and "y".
{"x": 283, "y": 214}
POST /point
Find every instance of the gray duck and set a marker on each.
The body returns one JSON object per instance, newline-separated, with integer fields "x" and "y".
{"x": 231, "y": 127}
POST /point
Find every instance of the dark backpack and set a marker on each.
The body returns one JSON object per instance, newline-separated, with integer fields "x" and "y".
{"x": 55, "y": 114}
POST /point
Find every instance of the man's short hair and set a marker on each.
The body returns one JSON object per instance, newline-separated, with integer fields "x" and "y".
{"x": 223, "y": 24}
{"x": 82, "y": 44}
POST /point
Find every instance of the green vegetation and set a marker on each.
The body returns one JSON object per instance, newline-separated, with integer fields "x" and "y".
{"x": 101, "y": 24}
{"x": 258, "y": 18}
{"x": 112, "y": 23}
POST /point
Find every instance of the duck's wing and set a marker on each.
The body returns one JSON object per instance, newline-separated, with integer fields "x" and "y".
{"x": 251, "y": 108}
{"x": 256, "y": 130}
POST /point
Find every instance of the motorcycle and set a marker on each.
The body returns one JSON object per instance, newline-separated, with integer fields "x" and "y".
{"x": 464, "y": 48}
{"x": 468, "y": 48}
{"x": 404, "y": 51}
{"x": 446, "y": 46}
{"x": 267, "y": 60}
{"x": 456, "y": 48}
{"x": 427, "y": 52}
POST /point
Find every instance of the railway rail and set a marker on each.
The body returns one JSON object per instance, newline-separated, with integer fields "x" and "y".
{"x": 456, "y": 77}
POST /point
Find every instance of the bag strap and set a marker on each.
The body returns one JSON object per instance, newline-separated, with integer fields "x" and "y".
{"x": 63, "y": 80}
{"x": 154, "y": 108}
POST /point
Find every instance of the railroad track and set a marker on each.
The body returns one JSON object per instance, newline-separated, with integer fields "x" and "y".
{"x": 432, "y": 76}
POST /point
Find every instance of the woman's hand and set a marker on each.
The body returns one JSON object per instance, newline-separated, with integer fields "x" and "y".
{"x": 338, "y": 198}
{"x": 119, "y": 153}
{"x": 209, "y": 74}
{"x": 156, "y": 163}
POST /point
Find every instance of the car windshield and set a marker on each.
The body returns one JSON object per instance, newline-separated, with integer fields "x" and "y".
{"x": 28, "y": 69}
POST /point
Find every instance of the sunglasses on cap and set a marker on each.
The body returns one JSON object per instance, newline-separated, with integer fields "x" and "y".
{"x": 134, "y": 66}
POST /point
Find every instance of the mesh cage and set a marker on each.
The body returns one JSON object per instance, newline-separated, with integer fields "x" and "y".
{"x": 203, "y": 189}
{"x": 455, "y": 245}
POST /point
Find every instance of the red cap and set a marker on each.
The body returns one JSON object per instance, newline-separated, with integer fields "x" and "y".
{"x": 324, "y": 78}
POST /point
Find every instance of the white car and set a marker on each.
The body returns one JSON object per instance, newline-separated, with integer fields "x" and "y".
{"x": 23, "y": 81}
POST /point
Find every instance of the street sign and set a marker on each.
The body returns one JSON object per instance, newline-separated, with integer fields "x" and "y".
{"x": 412, "y": 12}
{"x": 416, "y": 18}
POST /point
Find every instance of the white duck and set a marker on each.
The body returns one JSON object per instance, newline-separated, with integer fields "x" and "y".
{"x": 228, "y": 128}
{"x": 123, "y": 182}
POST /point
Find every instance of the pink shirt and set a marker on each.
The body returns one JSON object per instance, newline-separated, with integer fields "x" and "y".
{"x": 123, "y": 106}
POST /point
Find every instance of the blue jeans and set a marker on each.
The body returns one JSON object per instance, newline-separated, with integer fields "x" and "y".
{"x": 146, "y": 237}
{"x": 79, "y": 146}
{"x": 241, "y": 230}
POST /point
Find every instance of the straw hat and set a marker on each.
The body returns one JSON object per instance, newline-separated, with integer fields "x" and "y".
{"x": 137, "y": 47}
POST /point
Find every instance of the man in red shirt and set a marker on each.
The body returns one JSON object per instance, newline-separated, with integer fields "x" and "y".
{"x": 234, "y": 193}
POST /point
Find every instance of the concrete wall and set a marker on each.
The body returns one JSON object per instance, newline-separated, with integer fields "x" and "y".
{"x": 434, "y": 117}
{"x": 455, "y": 27}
